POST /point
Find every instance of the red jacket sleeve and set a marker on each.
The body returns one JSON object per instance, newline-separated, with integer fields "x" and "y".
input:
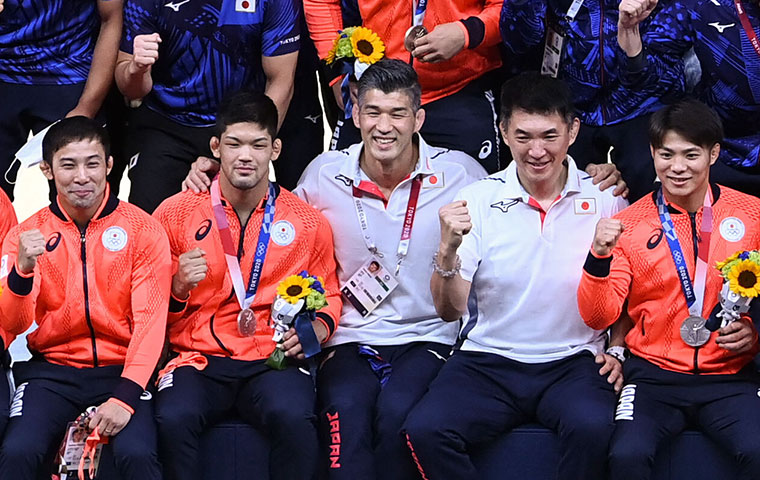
{"x": 18, "y": 300}
{"x": 603, "y": 288}
{"x": 324, "y": 20}
{"x": 322, "y": 263}
{"x": 151, "y": 282}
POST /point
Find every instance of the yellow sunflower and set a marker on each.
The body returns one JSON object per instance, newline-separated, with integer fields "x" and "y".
{"x": 293, "y": 288}
{"x": 744, "y": 278}
{"x": 331, "y": 54}
{"x": 367, "y": 46}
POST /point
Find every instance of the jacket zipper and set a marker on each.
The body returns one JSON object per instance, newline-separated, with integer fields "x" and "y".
{"x": 87, "y": 296}
{"x": 695, "y": 240}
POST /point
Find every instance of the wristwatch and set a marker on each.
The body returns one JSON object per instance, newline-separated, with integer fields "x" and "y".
{"x": 619, "y": 352}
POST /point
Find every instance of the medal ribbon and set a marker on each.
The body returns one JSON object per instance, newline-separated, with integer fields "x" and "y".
{"x": 245, "y": 298}
{"x": 694, "y": 293}
{"x": 419, "y": 12}
{"x": 747, "y": 26}
{"x": 406, "y": 231}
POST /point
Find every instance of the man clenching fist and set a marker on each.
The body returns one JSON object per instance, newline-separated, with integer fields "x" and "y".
{"x": 607, "y": 234}
{"x": 31, "y": 244}
{"x": 144, "y": 53}
{"x": 455, "y": 223}
{"x": 632, "y": 13}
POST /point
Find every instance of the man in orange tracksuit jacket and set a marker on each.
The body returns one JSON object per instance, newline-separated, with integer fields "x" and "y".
{"x": 94, "y": 274}
{"x": 452, "y": 61}
{"x": 217, "y": 369}
{"x": 679, "y": 373}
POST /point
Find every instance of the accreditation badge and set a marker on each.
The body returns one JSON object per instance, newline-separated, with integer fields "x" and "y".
{"x": 552, "y": 52}
{"x": 369, "y": 286}
{"x": 73, "y": 449}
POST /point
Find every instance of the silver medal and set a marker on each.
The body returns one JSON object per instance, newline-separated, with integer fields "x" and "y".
{"x": 693, "y": 331}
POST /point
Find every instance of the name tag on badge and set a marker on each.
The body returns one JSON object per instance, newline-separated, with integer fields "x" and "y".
{"x": 369, "y": 286}
{"x": 552, "y": 52}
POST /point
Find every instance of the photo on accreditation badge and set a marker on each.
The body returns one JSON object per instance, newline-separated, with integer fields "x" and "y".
{"x": 369, "y": 286}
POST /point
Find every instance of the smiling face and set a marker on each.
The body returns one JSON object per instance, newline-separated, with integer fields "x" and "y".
{"x": 539, "y": 144}
{"x": 684, "y": 169}
{"x": 79, "y": 170}
{"x": 245, "y": 150}
{"x": 388, "y": 123}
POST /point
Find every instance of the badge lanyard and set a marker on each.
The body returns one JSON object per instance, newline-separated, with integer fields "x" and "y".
{"x": 694, "y": 293}
{"x": 245, "y": 298}
{"x": 418, "y": 14}
{"x": 406, "y": 231}
{"x": 573, "y": 10}
{"x": 747, "y": 26}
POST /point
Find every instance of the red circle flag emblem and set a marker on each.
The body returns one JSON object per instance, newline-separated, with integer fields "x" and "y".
{"x": 584, "y": 205}
{"x": 245, "y": 4}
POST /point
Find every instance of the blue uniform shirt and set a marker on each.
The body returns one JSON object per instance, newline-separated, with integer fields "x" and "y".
{"x": 47, "y": 42}
{"x": 209, "y": 48}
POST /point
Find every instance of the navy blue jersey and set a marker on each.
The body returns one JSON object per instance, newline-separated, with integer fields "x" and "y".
{"x": 209, "y": 48}
{"x": 592, "y": 61}
{"x": 730, "y": 81}
{"x": 47, "y": 42}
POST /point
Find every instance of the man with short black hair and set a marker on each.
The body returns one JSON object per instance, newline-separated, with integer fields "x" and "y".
{"x": 231, "y": 249}
{"x": 93, "y": 273}
{"x": 659, "y": 257}
{"x": 510, "y": 255}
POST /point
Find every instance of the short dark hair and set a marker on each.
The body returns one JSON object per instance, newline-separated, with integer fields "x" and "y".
{"x": 532, "y": 92}
{"x": 247, "y": 106}
{"x": 390, "y": 75}
{"x": 74, "y": 129}
{"x": 689, "y": 118}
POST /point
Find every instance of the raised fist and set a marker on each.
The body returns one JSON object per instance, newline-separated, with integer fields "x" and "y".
{"x": 608, "y": 232}
{"x": 633, "y": 12}
{"x": 192, "y": 270}
{"x": 455, "y": 224}
{"x": 144, "y": 52}
{"x": 31, "y": 244}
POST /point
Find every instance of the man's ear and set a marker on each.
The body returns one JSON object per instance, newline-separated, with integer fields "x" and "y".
{"x": 46, "y": 169}
{"x": 214, "y": 145}
{"x": 714, "y": 153}
{"x": 276, "y": 149}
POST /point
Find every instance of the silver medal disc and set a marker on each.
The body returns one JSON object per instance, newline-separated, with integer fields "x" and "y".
{"x": 693, "y": 331}
{"x": 418, "y": 31}
{"x": 246, "y": 322}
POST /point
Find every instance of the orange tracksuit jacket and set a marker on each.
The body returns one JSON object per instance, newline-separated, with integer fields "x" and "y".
{"x": 207, "y": 321}
{"x": 641, "y": 269}
{"x": 479, "y": 19}
{"x": 100, "y": 296}
{"x": 7, "y": 221}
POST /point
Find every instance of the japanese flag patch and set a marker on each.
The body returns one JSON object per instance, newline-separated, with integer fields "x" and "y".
{"x": 433, "y": 181}
{"x": 245, "y": 6}
{"x": 585, "y": 206}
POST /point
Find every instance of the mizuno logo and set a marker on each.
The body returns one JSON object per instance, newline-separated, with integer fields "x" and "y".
{"x": 175, "y": 6}
{"x": 504, "y": 206}
{"x": 342, "y": 178}
{"x": 313, "y": 118}
{"x": 720, "y": 27}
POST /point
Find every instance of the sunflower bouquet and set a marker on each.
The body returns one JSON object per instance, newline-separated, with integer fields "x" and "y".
{"x": 358, "y": 44}
{"x": 741, "y": 274}
{"x": 298, "y": 299}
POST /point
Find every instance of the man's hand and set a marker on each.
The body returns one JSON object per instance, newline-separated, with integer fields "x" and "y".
{"x": 631, "y": 14}
{"x": 607, "y": 175}
{"x": 738, "y": 336}
{"x": 201, "y": 172}
{"x": 291, "y": 344}
{"x": 192, "y": 270}
{"x": 611, "y": 367}
{"x": 455, "y": 224}
{"x": 144, "y": 53}
{"x": 608, "y": 232}
{"x": 82, "y": 109}
{"x": 31, "y": 244}
{"x": 111, "y": 418}
{"x": 445, "y": 41}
